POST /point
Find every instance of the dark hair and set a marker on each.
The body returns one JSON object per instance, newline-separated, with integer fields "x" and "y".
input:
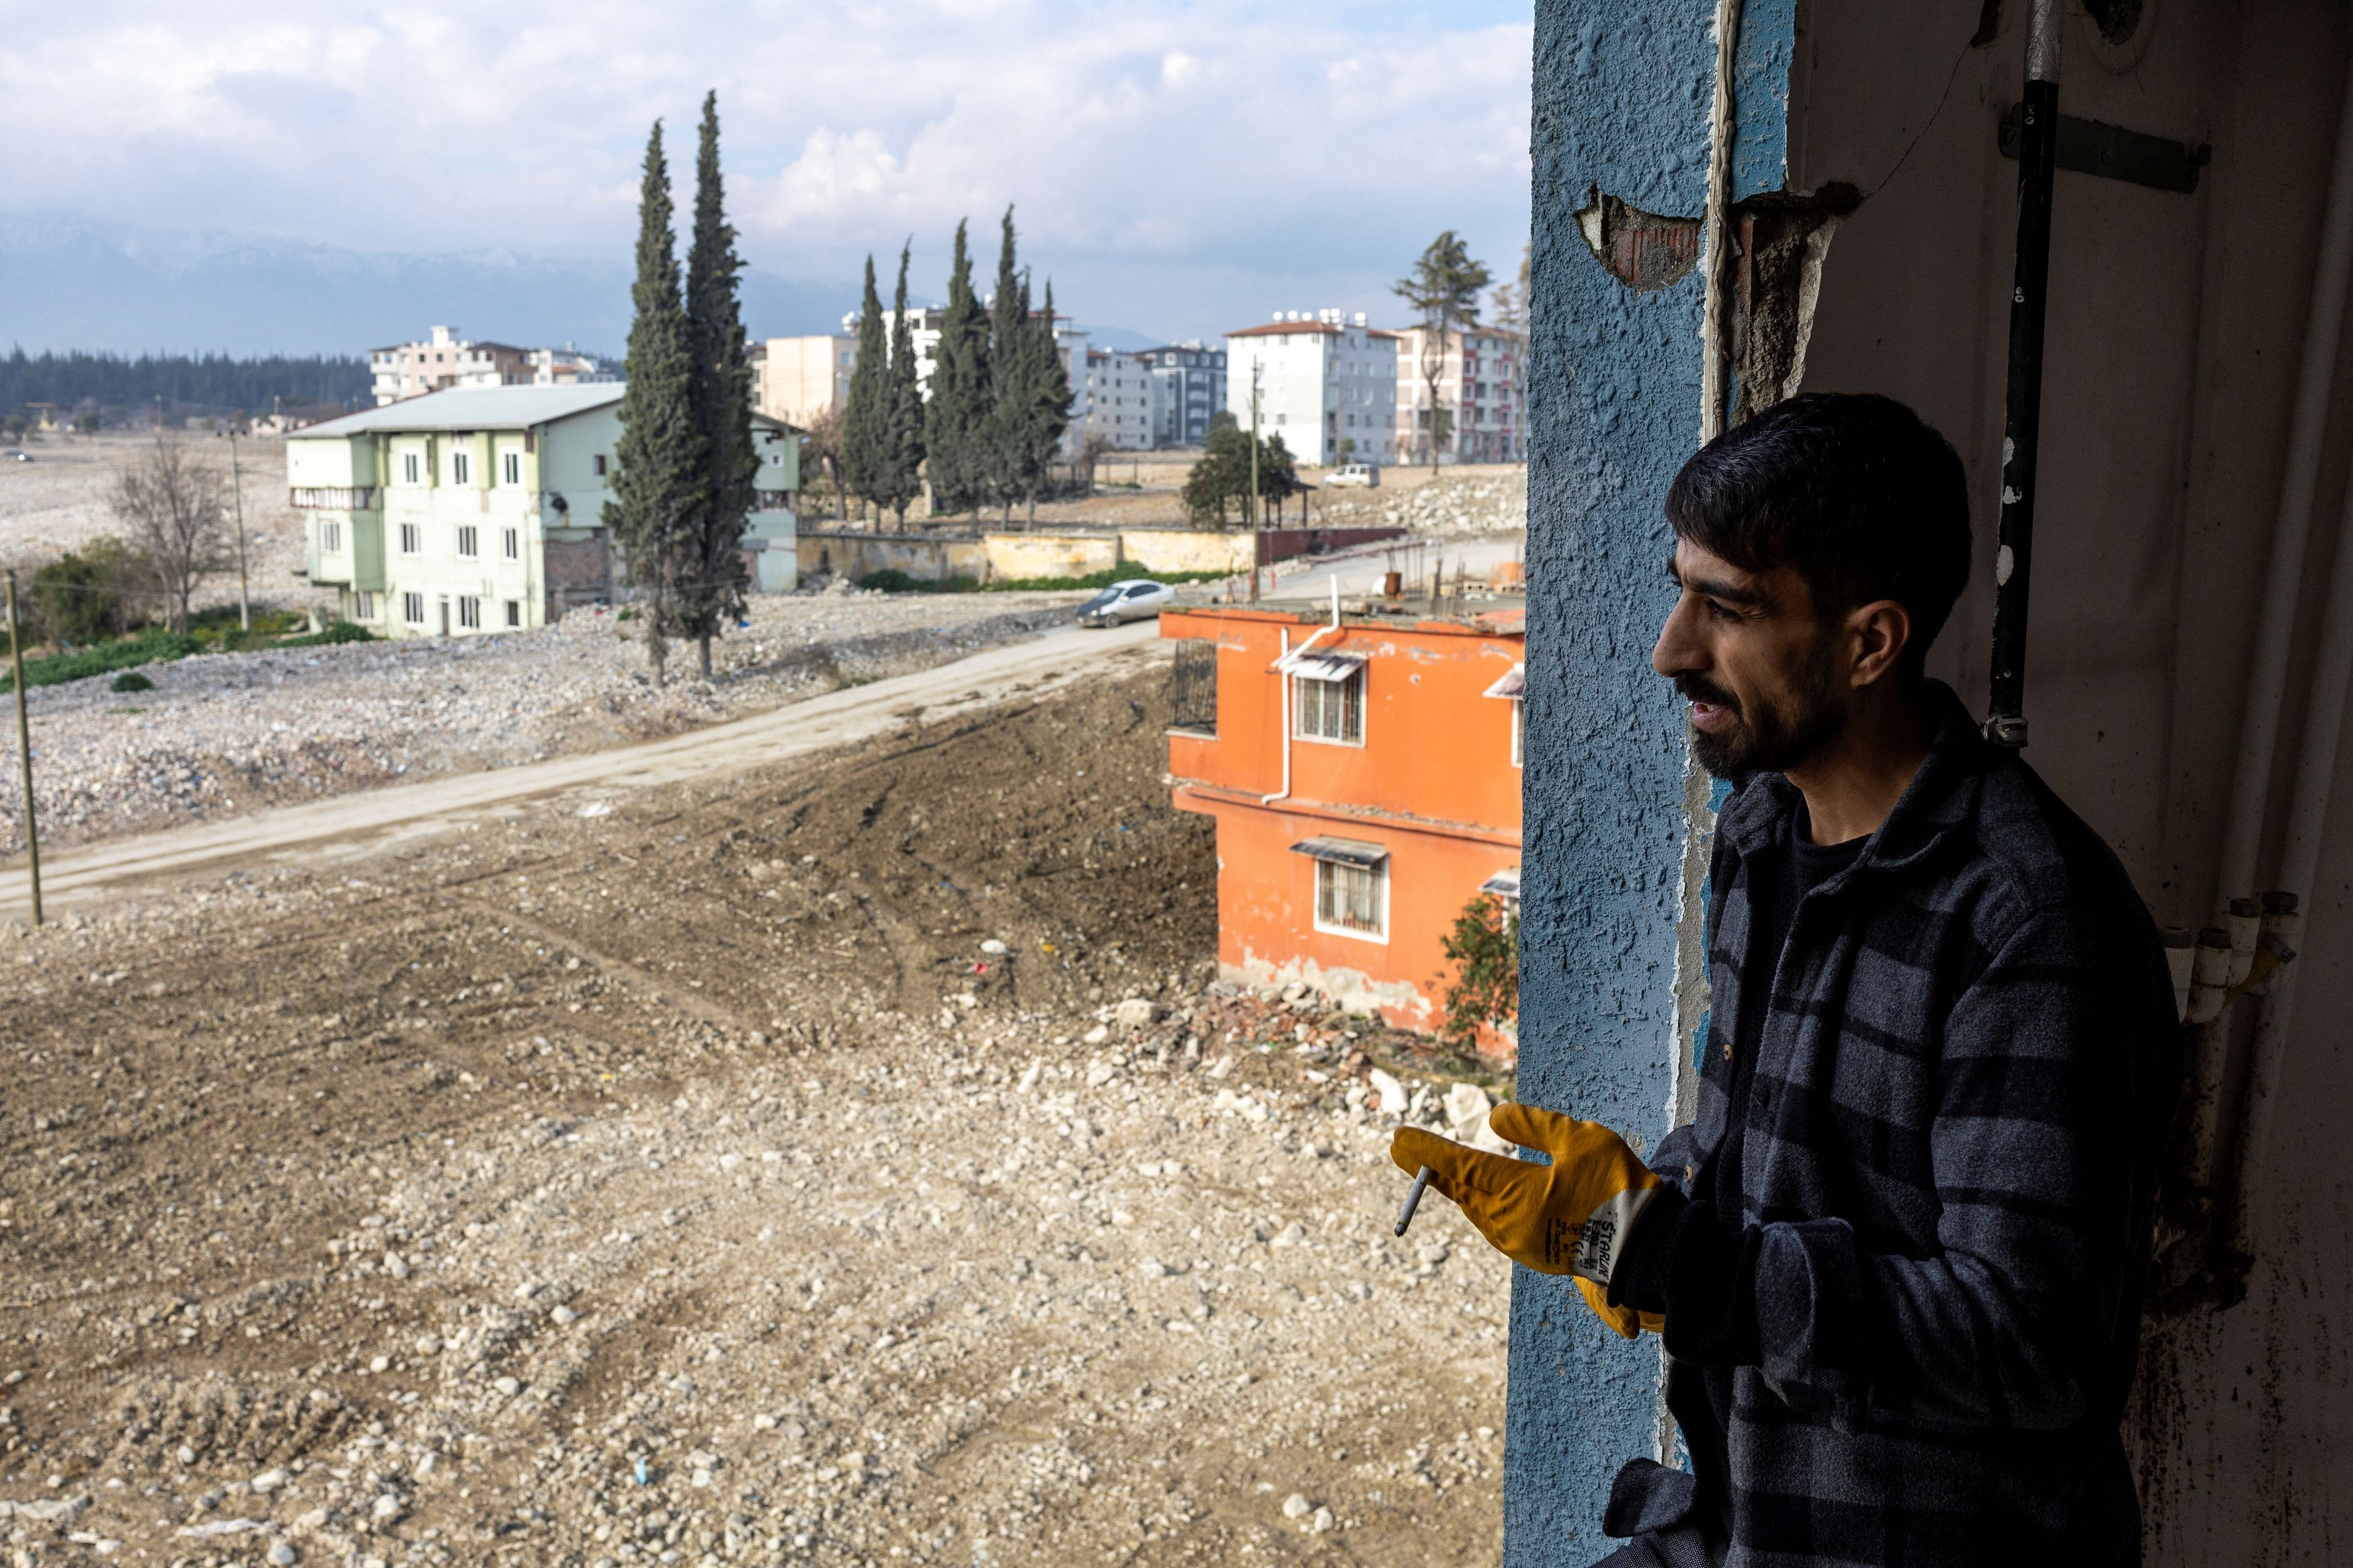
{"x": 1854, "y": 491}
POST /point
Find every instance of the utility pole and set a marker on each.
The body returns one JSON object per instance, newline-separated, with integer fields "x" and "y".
{"x": 237, "y": 494}
{"x": 1250, "y": 505}
{"x": 25, "y": 748}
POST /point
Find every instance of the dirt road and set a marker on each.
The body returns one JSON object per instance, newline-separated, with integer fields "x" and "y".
{"x": 368, "y": 823}
{"x": 757, "y": 1173}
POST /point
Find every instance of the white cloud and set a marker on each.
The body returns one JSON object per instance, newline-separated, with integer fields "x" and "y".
{"x": 1174, "y": 165}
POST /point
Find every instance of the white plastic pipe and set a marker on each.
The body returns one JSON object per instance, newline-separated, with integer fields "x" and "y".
{"x": 1287, "y": 651}
{"x": 2267, "y": 679}
{"x": 2316, "y": 774}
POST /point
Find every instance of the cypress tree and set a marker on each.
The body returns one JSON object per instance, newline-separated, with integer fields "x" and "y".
{"x": 661, "y": 462}
{"x": 955, "y": 421}
{"x": 1014, "y": 364}
{"x": 718, "y": 390}
{"x": 866, "y": 434}
{"x": 905, "y": 423}
{"x": 1049, "y": 400}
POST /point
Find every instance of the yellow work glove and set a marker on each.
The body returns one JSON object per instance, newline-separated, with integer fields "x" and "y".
{"x": 1623, "y": 1320}
{"x": 1568, "y": 1217}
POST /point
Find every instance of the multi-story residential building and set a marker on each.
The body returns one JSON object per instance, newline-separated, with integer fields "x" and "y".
{"x": 1120, "y": 393}
{"x": 799, "y": 380}
{"x": 482, "y": 509}
{"x": 1479, "y": 374}
{"x": 1190, "y": 388}
{"x": 443, "y": 360}
{"x": 1326, "y": 386}
{"x": 565, "y": 366}
{"x": 1365, "y": 778}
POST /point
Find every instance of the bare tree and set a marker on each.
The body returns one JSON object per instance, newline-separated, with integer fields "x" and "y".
{"x": 823, "y": 433}
{"x": 174, "y": 507}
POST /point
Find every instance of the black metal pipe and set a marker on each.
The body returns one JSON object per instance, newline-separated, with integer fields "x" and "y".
{"x": 2038, "y": 149}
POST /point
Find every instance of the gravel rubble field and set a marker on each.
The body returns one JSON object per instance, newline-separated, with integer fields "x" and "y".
{"x": 849, "y": 1163}
{"x": 1457, "y": 504}
{"x": 223, "y": 734}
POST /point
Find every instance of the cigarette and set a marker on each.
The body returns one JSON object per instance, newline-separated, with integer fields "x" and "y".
{"x": 1413, "y": 1198}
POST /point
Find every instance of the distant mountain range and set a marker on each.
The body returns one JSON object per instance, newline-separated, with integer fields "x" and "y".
{"x": 69, "y": 283}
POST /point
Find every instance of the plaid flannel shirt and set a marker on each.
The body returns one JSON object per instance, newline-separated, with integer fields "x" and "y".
{"x": 1932, "y": 1312}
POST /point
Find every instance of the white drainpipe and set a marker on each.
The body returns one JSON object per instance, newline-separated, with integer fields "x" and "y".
{"x": 1285, "y": 792}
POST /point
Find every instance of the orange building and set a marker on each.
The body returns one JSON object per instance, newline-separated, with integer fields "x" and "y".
{"x": 1364, "y": 776}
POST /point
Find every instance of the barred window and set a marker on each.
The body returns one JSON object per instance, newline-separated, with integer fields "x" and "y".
{"x": 412, "y": 609}
{"x": 468, "y": 540}
{"x": 412, "y": 540}
{"x": 469, "y": 614}
{"x": 1351, "y": 898}
{"x": 1329, "y": 710}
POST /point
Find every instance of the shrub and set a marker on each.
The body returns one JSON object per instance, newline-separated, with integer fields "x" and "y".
{"x": 891, "y": 579}
{"x": 104, "y": 658}
{"x": 335, "y": 632}
{"x": 1485, "y": 945}
{"x": 130, "y": 681}
{"x": 83, "y": 597}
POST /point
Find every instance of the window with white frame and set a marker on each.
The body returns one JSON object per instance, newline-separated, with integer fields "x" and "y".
{"x": 1504, "y": 887}
{"x": 512, "y": 472}
{"x": 1327, "y": 698}
{"x": 469, "y": 614}
{"x": 411, "y": 470}
{"x": 331, "y": 537}
{"x": 511, "y": 544}
{"x": 1513, "y": 687}
{"x": 412, "y": 609}
{"x": 1352, "y": 887}
{"x": 364, "y": 606}
{"x": 412, "y": 539}
{"x": 515, "y": 612}
{"x": 461, "y": 468}
{"x": 469, "y": 540}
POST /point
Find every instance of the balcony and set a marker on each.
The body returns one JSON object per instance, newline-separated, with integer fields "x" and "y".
{"x": 329, "y": 498}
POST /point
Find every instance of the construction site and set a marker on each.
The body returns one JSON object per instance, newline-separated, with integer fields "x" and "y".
{"x": 829, "y": 1141}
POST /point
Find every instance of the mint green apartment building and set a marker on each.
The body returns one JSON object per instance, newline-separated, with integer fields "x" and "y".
{"x": 482, "y": 509}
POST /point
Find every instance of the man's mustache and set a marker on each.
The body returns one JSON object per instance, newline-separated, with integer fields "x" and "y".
{"x": 1699, "y": 688}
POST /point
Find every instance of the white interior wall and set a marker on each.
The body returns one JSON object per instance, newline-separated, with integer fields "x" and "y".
{"x": 2175, "y": 326}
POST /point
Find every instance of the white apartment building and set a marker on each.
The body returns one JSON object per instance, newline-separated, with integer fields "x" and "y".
{"x": 798, "y": 379}
{"x": 482, "y": 509}
{"x": 1480, "y": 377}
{"x": 443, "y": 360}
{"x": 1123, "y": 400}
{"x": 1327, "y": 385}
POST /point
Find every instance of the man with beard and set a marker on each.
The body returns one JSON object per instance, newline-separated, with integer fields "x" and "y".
{"x": 1897, "y": 1261}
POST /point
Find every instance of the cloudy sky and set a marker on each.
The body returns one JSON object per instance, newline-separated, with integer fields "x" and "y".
{"x": 1178, "y": 168}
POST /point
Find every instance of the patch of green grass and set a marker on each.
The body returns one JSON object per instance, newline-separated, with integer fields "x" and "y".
{"x": 130, "y": 681}
{"x": 103, "y": 659}
{"x": 335, "y": 632}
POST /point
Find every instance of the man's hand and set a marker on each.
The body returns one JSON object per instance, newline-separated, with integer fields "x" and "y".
{"x": 1568, "y": 1217}
{"x": 1623, "y": 1320}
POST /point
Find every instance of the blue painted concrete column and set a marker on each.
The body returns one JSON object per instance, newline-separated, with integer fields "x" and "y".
{"x": 1622, "y": 94}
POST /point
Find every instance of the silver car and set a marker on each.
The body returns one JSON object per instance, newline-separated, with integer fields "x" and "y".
{"x": 1137, "y": 600}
